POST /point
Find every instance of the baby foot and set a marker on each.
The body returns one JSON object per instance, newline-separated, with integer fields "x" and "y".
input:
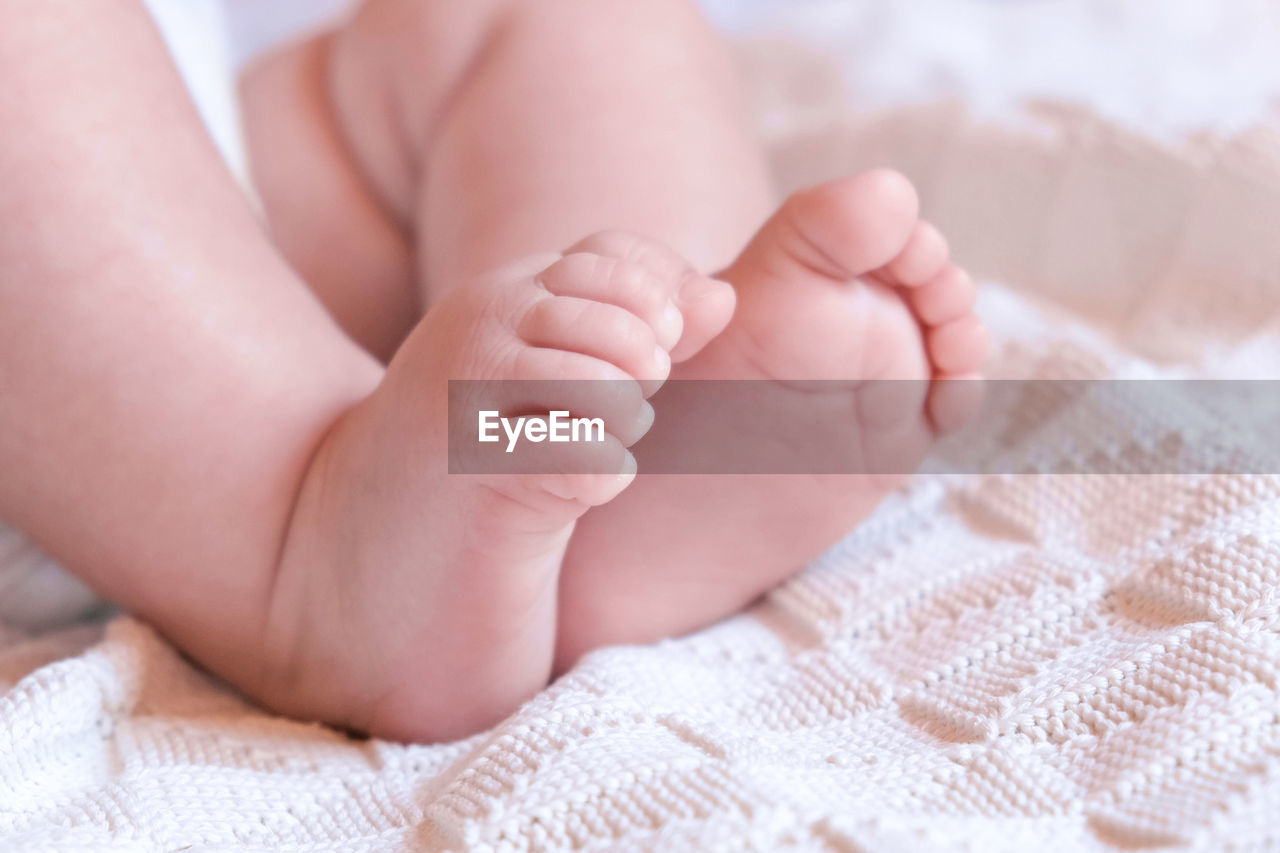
{"x": 417, "y": 604}
{"x": 844, "y": 283}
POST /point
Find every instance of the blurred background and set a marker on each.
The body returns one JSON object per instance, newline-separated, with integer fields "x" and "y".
{"x": 1119, "y": 159}
{"x": 1167, "y": 66}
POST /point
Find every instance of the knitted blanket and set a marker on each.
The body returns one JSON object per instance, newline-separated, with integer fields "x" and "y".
{"x": 994, "y": 662}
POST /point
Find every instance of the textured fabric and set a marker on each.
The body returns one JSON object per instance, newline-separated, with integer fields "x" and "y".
{"x": 988, "y": 663}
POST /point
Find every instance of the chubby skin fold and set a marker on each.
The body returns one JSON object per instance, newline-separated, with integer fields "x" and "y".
{"x": 265, "y": 480}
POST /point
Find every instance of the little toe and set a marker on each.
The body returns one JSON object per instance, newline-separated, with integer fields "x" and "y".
{"x": 954, "y": 400}
{"x": 707, "y": 305}
{"x": 921, "y": 259}
{"x": 959, "y": 346}
{"x": 948, "y": 296}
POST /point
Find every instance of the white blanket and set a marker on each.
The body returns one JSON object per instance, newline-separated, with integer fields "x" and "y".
{"x": 990, "y": 662}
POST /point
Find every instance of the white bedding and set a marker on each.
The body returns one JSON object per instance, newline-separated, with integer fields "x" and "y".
{"x": 990, "y": 662}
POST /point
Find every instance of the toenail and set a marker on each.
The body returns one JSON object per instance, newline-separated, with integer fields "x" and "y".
{"x": 647, "y": 417}
{"x": 672, "y": 322}
{"x": 662, "y": 359}
{"x": 700, "y": 287}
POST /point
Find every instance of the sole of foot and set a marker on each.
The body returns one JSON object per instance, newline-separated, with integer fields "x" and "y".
{"x": 846, "y": 283}
{"x": 417, "y": 603}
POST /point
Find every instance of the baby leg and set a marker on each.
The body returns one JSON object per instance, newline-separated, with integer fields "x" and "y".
{"x": 184, "y": 427}
{"x": 504, "y": 128}
{"x": 427, "y": 142}
{"x": 164, "y": 378}
{"x": 576, "y": 116}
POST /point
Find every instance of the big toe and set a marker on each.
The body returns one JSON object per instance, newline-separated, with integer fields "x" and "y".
{"x": 838, "y": 230}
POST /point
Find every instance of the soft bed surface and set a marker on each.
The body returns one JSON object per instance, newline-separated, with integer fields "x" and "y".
{"x": 1003, "y": 662}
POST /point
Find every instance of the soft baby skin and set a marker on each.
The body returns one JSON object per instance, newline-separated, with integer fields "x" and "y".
{"x": 239, "y": 429}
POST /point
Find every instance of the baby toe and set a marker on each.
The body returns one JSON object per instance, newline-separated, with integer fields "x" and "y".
{"x": 653, "y": 255}
{"x": 705, "y": 304}
{"x": 959, "y": 346}
{"x": 625, "y": 284}
{"x": 599, "y": 330}
{"x": 947, "y": 296}
{"x": 921, "y": 259}
{"x": 954, "y": 400}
